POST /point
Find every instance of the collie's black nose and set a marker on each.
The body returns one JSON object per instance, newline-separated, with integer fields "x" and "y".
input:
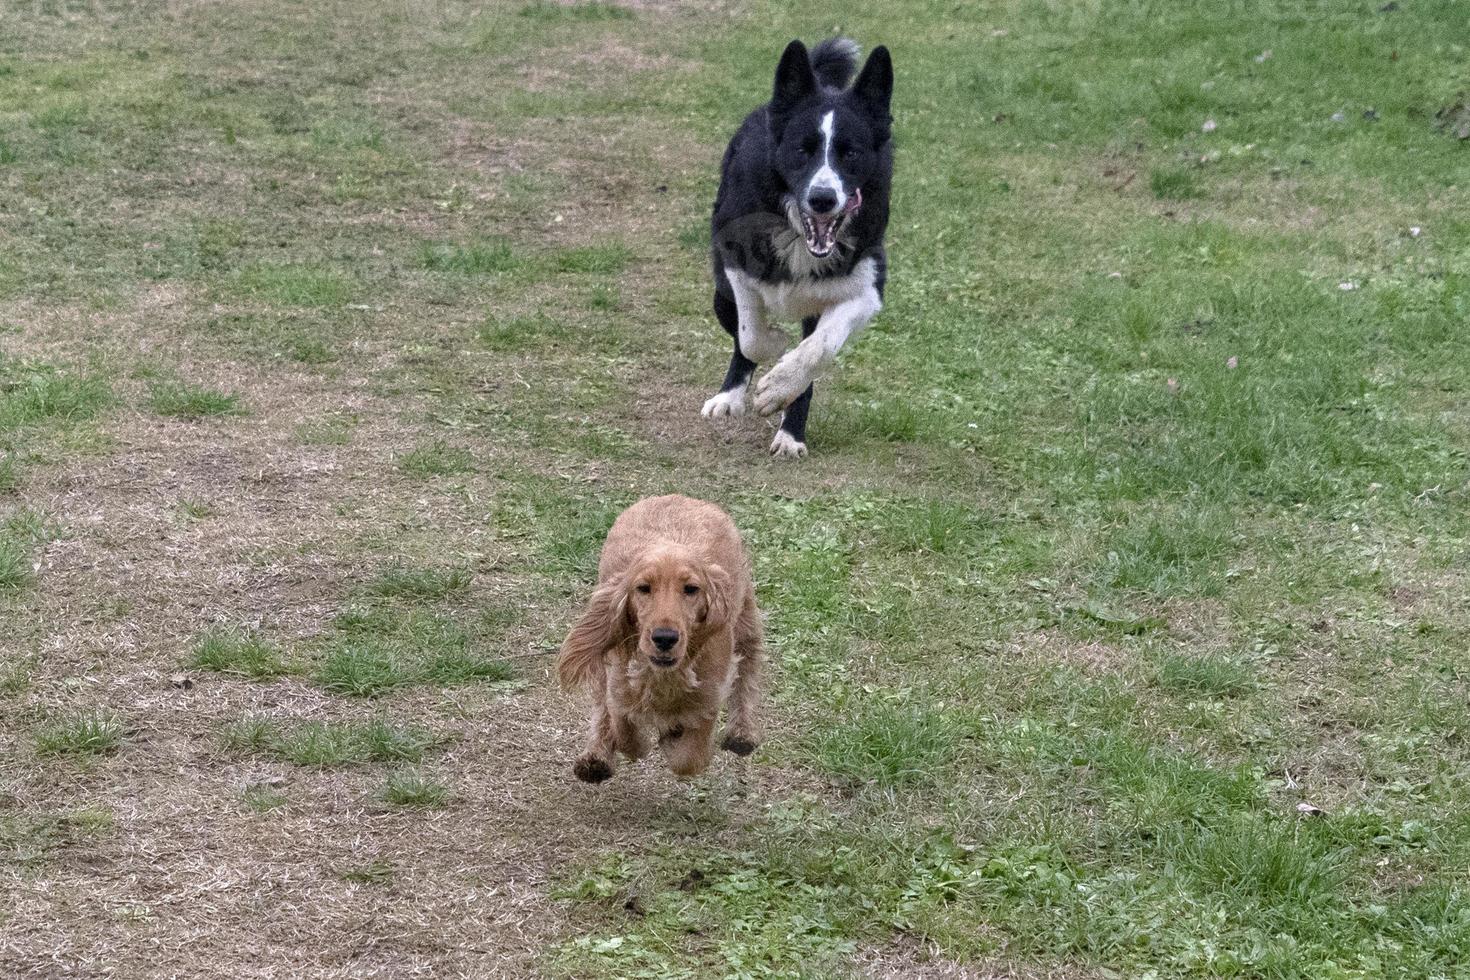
{"x": 665, "y": 638}
{"x": 821, "y": 200}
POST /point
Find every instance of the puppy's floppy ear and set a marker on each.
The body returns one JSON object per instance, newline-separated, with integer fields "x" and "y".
{"x": 604, "y": 624}
{"x": 874, "y": 86}
{"x": 719, "y": 595}
{"x": 795, "y": 80}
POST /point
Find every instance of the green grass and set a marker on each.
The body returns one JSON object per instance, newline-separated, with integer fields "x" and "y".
{"x": 300, "y": 285}
{"x": 363, "y": 670}
{"x": 373, "y": 873}
{"x": 436, "y": 459}
{"x": 581, "y": 11}
{"x": 9, "y": 475}
{"x": 463, "y": 666}
{"x": 477, "y": 259}
{"x": 1126, "y": 528}
{"x": 177, "y": 399}
{"x": 1174, "y": 183}
{"x": 264, "y": 799}
{"x": 603, "y": 298}
{"x": 888, "y": 745}
{"x": 241, "y": 654}
{"x": 1204, "y": 675}
{"x": 15, "y": 676}
{"x": 605, "y": 259}
{"x": 195, "y": 510}
{"x": 420, "y": 584}
{"x": 326, "y": 744}
{"x": 15, "y": 562}
{"x": 84, "y": 733}
{"x": 33, "y": 394}
{"x": 379, "y": 650}
{"x": 524, "y": 333}
{"x": 412, "y": 789}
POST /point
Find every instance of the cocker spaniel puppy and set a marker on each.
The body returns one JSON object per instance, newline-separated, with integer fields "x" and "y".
{"x": 671, "y": 634}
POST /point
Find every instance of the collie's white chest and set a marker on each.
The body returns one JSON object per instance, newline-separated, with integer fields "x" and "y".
{"x": 805, "y": 297}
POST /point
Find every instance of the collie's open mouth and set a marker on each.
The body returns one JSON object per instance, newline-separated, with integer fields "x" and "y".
{"x": 821, "y": 229}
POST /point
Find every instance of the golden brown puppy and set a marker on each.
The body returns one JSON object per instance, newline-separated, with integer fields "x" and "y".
{"x": 670, "y": 635}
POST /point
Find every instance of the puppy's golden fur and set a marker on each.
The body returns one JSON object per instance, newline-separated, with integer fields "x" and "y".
{"x": 671, "y": 634}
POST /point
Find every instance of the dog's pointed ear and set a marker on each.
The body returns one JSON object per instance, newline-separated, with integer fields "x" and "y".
{"x": 874, "y": 86}
{"x": 795, "y": 80}
{"x": 604, "y": 624}
{"x": 719, "y": 597}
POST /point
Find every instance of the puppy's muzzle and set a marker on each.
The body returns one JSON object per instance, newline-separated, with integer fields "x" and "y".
{"x": 664, "y": 639}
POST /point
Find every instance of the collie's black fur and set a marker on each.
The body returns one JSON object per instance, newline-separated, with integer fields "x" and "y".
{"x": 798, "y": 227}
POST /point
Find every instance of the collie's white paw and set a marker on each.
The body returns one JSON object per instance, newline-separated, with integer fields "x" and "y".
{"x": 731, "y": 403}
{"x": 785, "y": 446}
{"x": 782, "y": 385}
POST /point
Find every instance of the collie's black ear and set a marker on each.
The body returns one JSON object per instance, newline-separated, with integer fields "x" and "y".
{"x": 795, "y": 80}
{"x": 874, "y": 86}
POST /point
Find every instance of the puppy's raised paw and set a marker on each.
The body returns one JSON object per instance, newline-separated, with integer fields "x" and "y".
{"x": 590, "y": 769}
{"x": 738, "y": 744}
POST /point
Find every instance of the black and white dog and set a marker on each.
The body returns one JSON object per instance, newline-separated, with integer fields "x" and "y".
{"x": 798, "y": 228}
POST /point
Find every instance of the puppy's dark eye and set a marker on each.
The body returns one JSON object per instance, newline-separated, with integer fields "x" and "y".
{"x": 851, "y": 155}
{"x": 644, "y": 587}
{"x": 691, "y": 590}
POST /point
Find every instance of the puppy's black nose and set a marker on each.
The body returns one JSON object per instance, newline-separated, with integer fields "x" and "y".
{"x": 821, "y": 200}
{"x": 665, "y": 638}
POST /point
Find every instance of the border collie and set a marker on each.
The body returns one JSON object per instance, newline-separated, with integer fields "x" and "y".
{"x": 798, "y": 226}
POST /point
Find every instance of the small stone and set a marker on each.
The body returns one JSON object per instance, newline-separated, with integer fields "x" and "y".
{"x": 182, "y": 681}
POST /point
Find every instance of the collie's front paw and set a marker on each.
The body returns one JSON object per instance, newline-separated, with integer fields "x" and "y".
{"x": 731, "y": 403}
{"x": 782, "y": 384}
{"x": 787, "y": 446}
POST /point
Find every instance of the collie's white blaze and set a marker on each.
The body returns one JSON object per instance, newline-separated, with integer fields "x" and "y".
{"x": 825, "y": 175}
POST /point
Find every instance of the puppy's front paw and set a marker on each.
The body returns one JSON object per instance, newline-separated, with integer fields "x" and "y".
{"x": 731, "y": 403}
{"x": 787, "y": 446}
{"x": 590, "y": 769}
{"x": 739, "y": 744}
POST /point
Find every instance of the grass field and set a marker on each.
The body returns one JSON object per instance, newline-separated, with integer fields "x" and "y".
{"x": 1118, "y": 620}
